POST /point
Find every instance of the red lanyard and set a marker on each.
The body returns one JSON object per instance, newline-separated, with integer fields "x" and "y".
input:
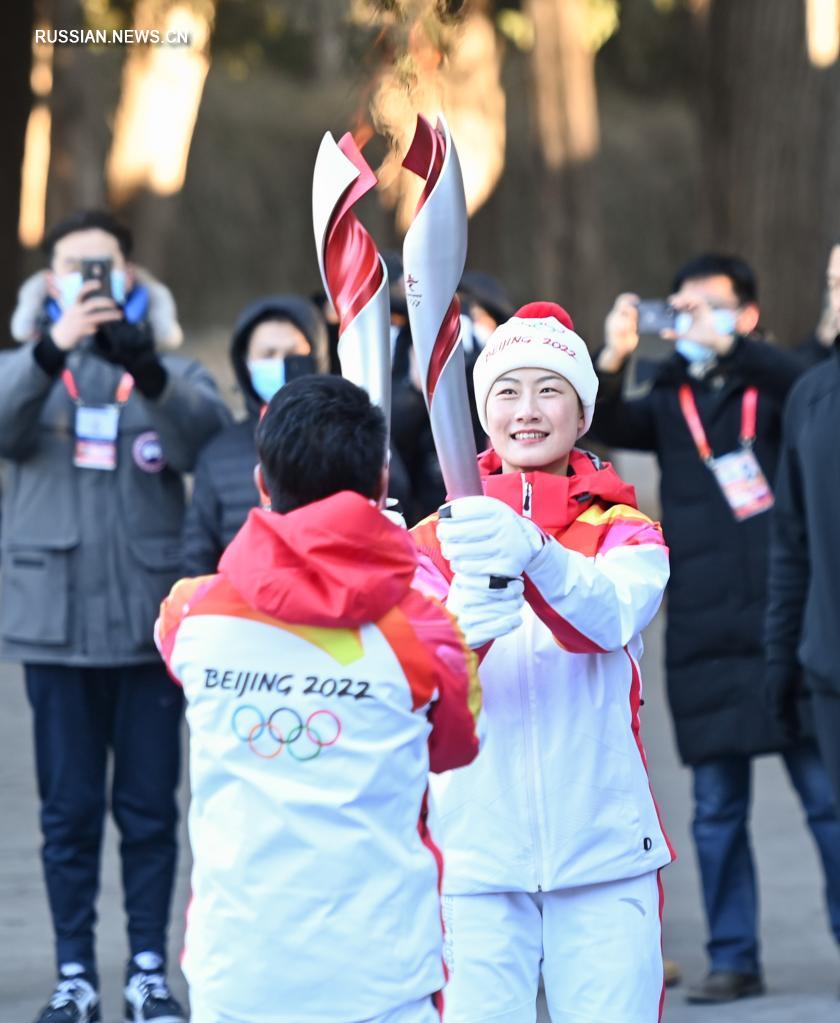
{"x": 124, "y": 387}
{"x": 749, "y": 413}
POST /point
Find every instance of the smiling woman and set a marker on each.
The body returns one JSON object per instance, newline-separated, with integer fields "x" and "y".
{"x": 552, "y": 831}
{"x": 535, "y": 389}
{"x": 534, "y": 419}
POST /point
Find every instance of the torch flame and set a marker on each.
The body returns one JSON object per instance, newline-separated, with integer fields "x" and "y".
{"x": 435, "y": 66}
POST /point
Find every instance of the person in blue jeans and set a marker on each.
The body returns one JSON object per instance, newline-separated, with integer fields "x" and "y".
{"x": 722, "y": 790}
{"x": 712, "y": 415}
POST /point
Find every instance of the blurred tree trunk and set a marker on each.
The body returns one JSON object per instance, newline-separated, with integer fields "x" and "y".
{"x": 771, "y": 133}
{"x": 327, "y": 20}
{"x": 16, "y": 43}
{"x": 161, "y": 94}
{"x": 566, "y": 230}
{"x": 79, "y": 128}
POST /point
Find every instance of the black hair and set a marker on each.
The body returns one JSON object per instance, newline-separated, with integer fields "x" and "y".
{"x": 88, "y": 220}
{"x": 320, "y": 435}
{"x": 713, "y": 264}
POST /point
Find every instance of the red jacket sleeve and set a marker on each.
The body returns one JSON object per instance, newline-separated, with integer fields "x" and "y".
{"x": 441, "y": 671}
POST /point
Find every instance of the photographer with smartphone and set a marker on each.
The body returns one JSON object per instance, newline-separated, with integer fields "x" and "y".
{"x": 712, "y": 415}
{"x": 98, "y": 422}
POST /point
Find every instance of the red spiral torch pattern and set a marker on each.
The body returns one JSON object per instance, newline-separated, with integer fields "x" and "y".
{"x": 425, "y": 159}
{"x": 351, "y": 259}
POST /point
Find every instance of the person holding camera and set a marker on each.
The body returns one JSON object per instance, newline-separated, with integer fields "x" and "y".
{"x": 712, "y": 414}
{"x": 98, "y": 424}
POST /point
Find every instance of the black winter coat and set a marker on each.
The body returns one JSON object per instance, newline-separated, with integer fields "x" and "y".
{"x": 803, "y": 614}
{"x": 717, "y": 593}
{"x": 224, "y": 490}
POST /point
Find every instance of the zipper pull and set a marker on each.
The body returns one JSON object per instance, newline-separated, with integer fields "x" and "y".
{"x": 526, "y": 497}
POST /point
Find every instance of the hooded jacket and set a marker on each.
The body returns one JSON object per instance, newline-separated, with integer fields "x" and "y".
{"x": 224, "y": 490}
{"x": 321, "y": 687}
{"x": 559, "y": 796}
{"x": 88, "y": 554}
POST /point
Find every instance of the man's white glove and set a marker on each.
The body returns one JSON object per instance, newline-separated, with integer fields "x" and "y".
{"x": 481, "y": 536}
{"x": 483, "y": 613}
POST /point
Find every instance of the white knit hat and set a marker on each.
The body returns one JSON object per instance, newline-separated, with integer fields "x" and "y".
{"x": 540, "y": 335}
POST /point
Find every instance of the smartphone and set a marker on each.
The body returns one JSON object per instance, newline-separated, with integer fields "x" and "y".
{"x": 98, "y": 270}
{"x": 655, "y": 315}
{"x": 299, "y": 366}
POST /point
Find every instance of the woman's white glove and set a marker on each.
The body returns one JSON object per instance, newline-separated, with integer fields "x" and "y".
{"x": 392, "y": 512}
{"x": 481, "y": 536}
{"x": 484, "y": 613}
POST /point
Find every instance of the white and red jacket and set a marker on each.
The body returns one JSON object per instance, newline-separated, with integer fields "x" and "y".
{"x": 321, "y": 687}
{"x": 559, "y": 796}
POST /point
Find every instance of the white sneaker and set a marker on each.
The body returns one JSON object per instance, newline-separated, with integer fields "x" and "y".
{"x": 148, "y": 998}
{"x": 75, "y": 1000}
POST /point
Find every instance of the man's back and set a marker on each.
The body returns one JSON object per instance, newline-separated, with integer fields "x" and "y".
{"x": 320, "y": 687}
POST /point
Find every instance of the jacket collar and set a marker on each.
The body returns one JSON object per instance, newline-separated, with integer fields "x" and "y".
{"x": 554, "y": 502}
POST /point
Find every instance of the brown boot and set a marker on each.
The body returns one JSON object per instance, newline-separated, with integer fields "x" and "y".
{"x": 673, "y": 973}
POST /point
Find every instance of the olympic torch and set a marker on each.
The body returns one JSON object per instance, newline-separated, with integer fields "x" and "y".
{"x": 434, "y": 253}
{"x": 354, "y": 274}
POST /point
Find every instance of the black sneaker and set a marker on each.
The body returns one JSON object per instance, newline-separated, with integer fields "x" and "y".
{"x": 725, "y": 986}
{"x": 74, "y": 1000}
{"x": 148, "y": 998}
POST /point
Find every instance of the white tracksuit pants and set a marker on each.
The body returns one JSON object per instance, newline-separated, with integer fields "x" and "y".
{"x": 422, "y": 1011}
{"x": 599, "y": 949}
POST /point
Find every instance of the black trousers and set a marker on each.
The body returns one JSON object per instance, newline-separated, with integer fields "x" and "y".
{"x": 80, "y": 715}
{"x": 827, "y": 728}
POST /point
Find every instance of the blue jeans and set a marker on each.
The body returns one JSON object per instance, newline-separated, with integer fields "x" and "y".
{"x": 721, "y": 808}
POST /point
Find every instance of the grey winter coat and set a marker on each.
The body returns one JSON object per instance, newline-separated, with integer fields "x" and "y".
{"x": 88, "y": 555}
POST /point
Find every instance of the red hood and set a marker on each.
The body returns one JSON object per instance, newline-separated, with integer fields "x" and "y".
{"x": 556, "y": 501}
{"x": 336, "y": 563}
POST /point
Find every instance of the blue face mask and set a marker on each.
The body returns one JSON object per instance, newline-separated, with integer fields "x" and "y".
{"x": 267, "y": 376}
{"x": 693, "y": 351}
{"x": 69, "y": 286}
{"x": 724, "y": 321}
{"x": 118, "y": 286}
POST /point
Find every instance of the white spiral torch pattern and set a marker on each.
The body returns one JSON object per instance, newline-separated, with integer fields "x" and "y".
{"x": 434, "y": 253}
{"x": 354, "y": 274}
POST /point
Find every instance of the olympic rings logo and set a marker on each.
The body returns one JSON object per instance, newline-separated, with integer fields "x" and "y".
{"x": 283, "y": 729}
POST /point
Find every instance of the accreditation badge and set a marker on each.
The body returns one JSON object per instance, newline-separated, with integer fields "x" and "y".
{"x": 96, "y": 437}
{"x": 743, "y": 483}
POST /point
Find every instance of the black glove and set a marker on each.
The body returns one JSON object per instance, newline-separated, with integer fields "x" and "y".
{"x": 132, "y": 345}
{"x": 782, "y": 687}
{"x": 124, "y": 343}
